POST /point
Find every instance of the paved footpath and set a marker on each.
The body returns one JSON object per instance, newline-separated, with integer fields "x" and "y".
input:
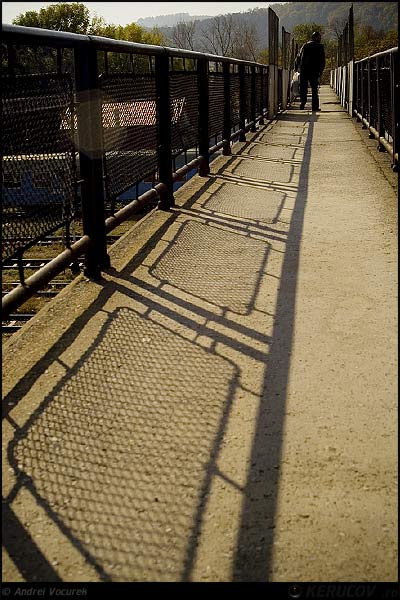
{"x": 222, "y": 406}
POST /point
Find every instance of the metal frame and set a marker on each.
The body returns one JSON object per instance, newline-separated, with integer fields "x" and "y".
{"x": 362, "y": 108}
{"x": 87, "y": 51}
{"x": 353, "y": 84}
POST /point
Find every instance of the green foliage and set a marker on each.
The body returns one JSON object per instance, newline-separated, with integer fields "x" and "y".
{"x": 375, "y": 28}
{"x": 63, "y": 16}
{"x": 75, "y": 18}
{"x": 130, "y": 33}
{"x": 263, "y": 56}
{"x": 302, "y": 33}
{"x": 368, "y": 41}
{"x": 380, "y": 15}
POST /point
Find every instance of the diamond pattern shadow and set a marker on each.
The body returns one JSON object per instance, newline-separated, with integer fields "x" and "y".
{"x": 263, "y": 171}
{"x": 120, "y": 451}
{"x": 246, "y": 202}
{"x": 269, "y": 151}
{"x": 229, "y": 280}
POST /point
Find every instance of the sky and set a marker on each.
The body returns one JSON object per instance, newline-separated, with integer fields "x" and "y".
{"x": 121, "y": 13}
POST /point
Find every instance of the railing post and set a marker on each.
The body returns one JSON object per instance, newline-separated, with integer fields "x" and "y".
{"x": 370, "y": 135}
{"x": 379, "y": 124}
{"x": 362, "y": 92}
{"x": 164, "y": 130}
{"x": 202, "y": 85}
{"x": 395, "y": 104}
{"x": 226, "y": 135}
{"x": 89, "y": 120}
{"x": 253, "y": 128}
{"x": 357, "y": 89}
{"x": 261, "y": 75}
{"x": 242, "y": 103}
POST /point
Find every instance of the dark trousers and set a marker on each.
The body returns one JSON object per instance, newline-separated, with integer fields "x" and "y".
{"x": 313, "y": 79}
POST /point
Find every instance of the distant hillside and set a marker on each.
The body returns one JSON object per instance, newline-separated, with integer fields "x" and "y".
{"x": 380, "y": 15}
{"x": 169, "y": 20}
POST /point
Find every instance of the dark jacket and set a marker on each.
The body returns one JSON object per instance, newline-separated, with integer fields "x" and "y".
{"x": 311, "y": 59}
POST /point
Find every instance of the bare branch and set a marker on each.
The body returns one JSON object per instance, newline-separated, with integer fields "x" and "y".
{"x": 183, "y": 35}
{"x": 218, "y": 35}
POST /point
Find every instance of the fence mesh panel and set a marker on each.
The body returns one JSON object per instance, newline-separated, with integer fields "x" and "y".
{"x": 39, "y": 175}
{"x": 247, "y": 87}
{"x": 386, "y": 96}
{"x": 184, "y": 111}
{"x": 129, "y": 129}
{"x": 364, "y": 90}
{"x": 356, "y": 99}
{"x": 373, "y": 109}
{"x": 280, "y": 98}
{"x": 259, "y": 100}
{"x": 216, "y": 103}
{"x": 265, "y": 87}
{"x": 234, "y": 89}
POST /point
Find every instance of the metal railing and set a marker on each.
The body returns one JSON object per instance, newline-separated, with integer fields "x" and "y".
{"x": 369, "y": 90}
{"x": 342, "y": 75}
{"x": 376, "y": 99}
{"x": 88, "y": 119}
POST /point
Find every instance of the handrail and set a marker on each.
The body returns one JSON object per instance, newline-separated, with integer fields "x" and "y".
{"x": 369, "y": 89}
{"x": 391, "y": 50}
{"x": 252, "y": 103}
{"x": 36, "y": 35}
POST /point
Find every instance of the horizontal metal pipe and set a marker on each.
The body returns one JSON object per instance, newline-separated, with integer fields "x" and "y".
{"x": 395, "y": 49}
{"x": 217, "y": 147}
{"x": 35, "y": 35}
{"x": 22, "y": 293}
{"x": 132, "y": 208}
{"x": 179, "y": 52}
{"x": 379, "y": 138}
{"x": 38, "y": 280}
{"x": 103, "y": 43}
{"x": 233, "y": 136}
{"x": 188, "y": 167}
{"x": 18, "y": 34}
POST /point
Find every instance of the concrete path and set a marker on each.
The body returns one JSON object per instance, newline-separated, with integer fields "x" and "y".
{"x": 222, "y": 406}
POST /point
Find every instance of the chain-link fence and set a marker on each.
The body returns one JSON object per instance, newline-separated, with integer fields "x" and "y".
{"x": 87, "y": 121}
{"x": 39, "y": 159}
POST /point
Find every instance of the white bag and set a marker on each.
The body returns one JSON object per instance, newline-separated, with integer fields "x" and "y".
{"x": 295, "y": 85}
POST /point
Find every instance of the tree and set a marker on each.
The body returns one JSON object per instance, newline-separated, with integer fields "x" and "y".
{"x": 369, "y": 41}
{"x": 218, "y": 35}
{"x": 245, "y": 42}
{"x": 330, "y": 47}
{"x": 263, "y": 56}
{"x": 302, "y": 33}
{"x": 73, "y": 17}
{"x": 336, "y": 25}
{"x": 183, "y": 35}
{"x": 226, "y": 36}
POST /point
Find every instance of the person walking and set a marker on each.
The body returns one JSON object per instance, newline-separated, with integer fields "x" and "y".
{"x": 310, "y": 62}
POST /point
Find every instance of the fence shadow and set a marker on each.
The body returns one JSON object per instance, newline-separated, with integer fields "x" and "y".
{"x": 253, "y": 560}
{"x": 118, "y": 459}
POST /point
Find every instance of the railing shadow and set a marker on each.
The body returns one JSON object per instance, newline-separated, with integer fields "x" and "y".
{"x": 257, "y": 524}
{"x": 130, "y": 519}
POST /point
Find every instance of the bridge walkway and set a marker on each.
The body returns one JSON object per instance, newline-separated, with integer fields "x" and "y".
{"x": 221, "y": 406}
